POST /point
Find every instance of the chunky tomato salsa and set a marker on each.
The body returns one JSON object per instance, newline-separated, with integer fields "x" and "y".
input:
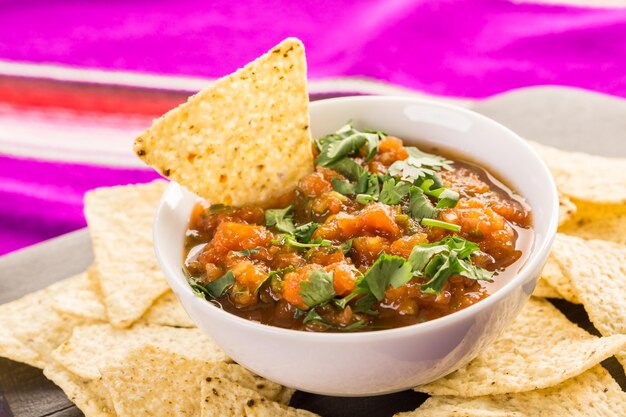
{"x": 380, "y": 235}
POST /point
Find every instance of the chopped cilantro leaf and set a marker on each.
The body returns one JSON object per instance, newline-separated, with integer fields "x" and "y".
{"x": 282, "y": 219}
{"x": 304, "y": 232}
{"x": 418, "y": 165}
{"x": 346, "y": 246}
{"x": 343, "y": 187}
{"x": 292, "y": 241}
{"x": 387, "y": 270}
{"x": 247, "y": 252}
{"x": 318, "y": 289}
{"x": 344, "y": 142}
{"x": 216, "y": 288}
{"x": 440, "y": 260}
{"x": 364, "y": 198}
{"x": 420, "y": 206}
{"x": 446, "y": 197}
{"x": 393, "y": 192}
{"x": 348, "y": 168}
{"x": 441, "y": 224}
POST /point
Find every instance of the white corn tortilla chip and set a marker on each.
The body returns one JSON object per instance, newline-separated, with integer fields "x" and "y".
{"x": 597, "y": 272}
{"x": 545, "y": 290}
{"x": 223, "y": 398}
{"x": 153, "y": 382}
{"x": 553, "y": 275}
{"x": 567, "y": 209}
{"x": 90, "y": 396}
{"x": 542, "y": 348}
{"x": 120, "y": 224}
{"x": 245, "y": 139}
{"x": 591, "y": 394}
{"x": 586, "y": 177}
{"x": 167, "y": 311}
{"x": 598, "y": 221}
{"x": 32, "y": 329}
{"x": 84, "y": 300}
{"x": 93, "y": 346}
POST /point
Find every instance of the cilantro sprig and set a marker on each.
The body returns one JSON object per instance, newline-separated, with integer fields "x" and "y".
{"x": 418, "y": 165}
{"x": 213, "y": 289}
{"x": 346, "y": 141}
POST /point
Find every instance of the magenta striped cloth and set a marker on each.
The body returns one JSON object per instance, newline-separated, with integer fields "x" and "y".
{"x": 464, "y": 48}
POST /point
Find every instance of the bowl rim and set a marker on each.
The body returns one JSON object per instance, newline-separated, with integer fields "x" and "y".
{"x": 539, "y": 250}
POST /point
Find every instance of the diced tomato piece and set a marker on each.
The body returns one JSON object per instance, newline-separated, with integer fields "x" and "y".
{"x": 365, "y": 250}
{"x": 318, "y": 182}
{"x": 231, "y": 236}
{"x": 379, "y": 218}
{"x": 249, "y": 274}
{"x": 404, "y": 245}
{"x": 291, "y": 284}
{"x": 390, "y": 150}
{"x": 344, "y": 277}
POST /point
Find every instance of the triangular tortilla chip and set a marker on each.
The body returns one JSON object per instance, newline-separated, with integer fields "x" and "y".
{"x": 120, "y": 224}
{"x": 152, "y": 382}
{"x": 591, "y": 394}
{"x": 598, "y": 221}
{"x": 542, "y": 348}
{"x": 90, "y": 396}
{"x": 597, "y": 272}
{"x": 553, "y": 275}
{"x": 245, "y": 139}
{"x": 93, "y": 346}
{"x": 30, "y": 327}
{"x": 223, "y": 398}
{"x": 586, "y": 177}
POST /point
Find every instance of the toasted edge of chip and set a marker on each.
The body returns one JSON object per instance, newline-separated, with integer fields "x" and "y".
{"x": 90, "y": 396}
{"x": 542, "y": 348}
{"x": 120, "y": 224}
{"x": 224, "y": 398}
{"x": 591, "y": 394}
{"x": 245, "y": 140}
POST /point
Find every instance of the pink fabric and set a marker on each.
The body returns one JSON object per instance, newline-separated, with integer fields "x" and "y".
{"x": 471, "y": 48}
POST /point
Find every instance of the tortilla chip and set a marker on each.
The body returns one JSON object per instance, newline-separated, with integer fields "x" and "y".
{"x": 13, "y": 349}
{"x": 90, "y": 396}
{"x": 245, "y": 139}
{"x": 93, "y": 346}
{"x": 80, "y": 299}
{"x": 567, "y": 209}
{"x": 120, "y": 223}
{"x": 167, "y": 311}
{"x": 591, "y": 394}
{"x": 542, "y": 348}
{"x": 152, "y": 382}
{"x": 586, "y": 177}
{"x": 597, "y": 271}
{"x": 553, "y": 275}
{"x": 84, "y": 300}
{"x": 598, "y": 221}
{"x": 223, "y": 398}
{"x": 545, "y": 290}
{"x": 32, "y": 329}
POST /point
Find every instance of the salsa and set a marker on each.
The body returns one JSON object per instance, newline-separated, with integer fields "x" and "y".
{"x": 380, "y": 235}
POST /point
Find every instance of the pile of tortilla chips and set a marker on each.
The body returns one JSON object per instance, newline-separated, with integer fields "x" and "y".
{"x": 116, "y": 340}
{"x": 544, "y": 365}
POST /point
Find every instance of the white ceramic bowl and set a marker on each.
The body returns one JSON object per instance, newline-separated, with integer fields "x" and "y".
{"x": 379, "y": 362}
